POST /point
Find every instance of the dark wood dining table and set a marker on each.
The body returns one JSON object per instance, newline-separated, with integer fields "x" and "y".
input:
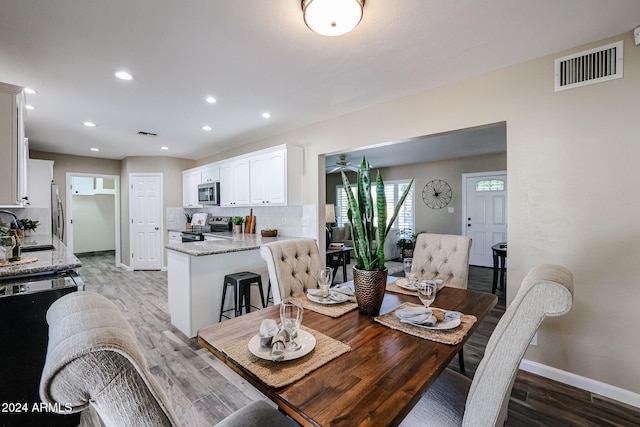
{"x": 377, "y": 382}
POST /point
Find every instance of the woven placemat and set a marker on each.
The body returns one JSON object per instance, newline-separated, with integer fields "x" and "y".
{"x": 448, "y": 336}
{"x": 280, "y": 374}
{"x": 393, "y": 287}
{"x": 331, "y": 310}
{"x": 23, "y": 260}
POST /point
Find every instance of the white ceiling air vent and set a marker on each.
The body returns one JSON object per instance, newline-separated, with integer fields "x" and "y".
{"x": 589, "y": 67}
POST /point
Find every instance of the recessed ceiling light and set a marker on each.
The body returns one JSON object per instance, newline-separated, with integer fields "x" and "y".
{"x": 29, "y": 107}
{"x": 211, "y": 100}
{"x": 95, "y": 149}
{"x": 29, "y": 91}
{"x": 89, "y": 124}
{"x": 266, "y": 115}
{"x": 123, "y": 75}
{"x": 164, "y": 148}
{"x": 206, "y": 128}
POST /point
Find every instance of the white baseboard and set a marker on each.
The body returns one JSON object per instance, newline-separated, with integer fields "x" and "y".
{"x": 124, "y": 267}
{"x": 583, "y": 383}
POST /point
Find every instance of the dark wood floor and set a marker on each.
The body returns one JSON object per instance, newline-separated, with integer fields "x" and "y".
{"x": 203, "y": 390}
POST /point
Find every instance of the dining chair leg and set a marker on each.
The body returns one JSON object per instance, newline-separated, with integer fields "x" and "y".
{"x": 461, "y": 360}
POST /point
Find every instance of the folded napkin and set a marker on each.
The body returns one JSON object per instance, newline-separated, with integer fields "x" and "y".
{"x": 426, "y": 316}
{"x": 344, "y": 290}
{"x": 314, "y": 292}
{"x": 268, "y": 329}
{"x": 417, "y": 316}
{"x": 278, "y": 345}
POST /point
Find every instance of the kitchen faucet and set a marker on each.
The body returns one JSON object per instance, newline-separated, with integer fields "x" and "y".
{"x": 15, "y": 218}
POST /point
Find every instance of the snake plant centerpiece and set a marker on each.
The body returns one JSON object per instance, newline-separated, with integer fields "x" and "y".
{"x": 370, "y": 272}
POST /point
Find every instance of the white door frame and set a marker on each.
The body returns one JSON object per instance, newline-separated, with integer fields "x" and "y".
{"x": 69, "y": 208}
{"x": 464, "y": 194}
{"x": 130, "y": 219}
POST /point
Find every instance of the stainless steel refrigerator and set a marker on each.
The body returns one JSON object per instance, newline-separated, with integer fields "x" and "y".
{"x": 57, "y": 212}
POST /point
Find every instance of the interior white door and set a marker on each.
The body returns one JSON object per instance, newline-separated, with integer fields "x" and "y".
{"x": 146, "y": 221}
{"x": 485, "y": 214}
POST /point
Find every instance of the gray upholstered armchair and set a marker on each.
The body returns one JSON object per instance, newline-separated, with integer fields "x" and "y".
{"x": 455, "y": 400}
{"x": 93, "y": 359}
{"x": 443, "y": 256}
{"x": 293, "y": 267}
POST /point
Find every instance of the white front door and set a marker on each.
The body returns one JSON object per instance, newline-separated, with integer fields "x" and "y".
{"x": 146, "y": 232}
{"x": 485, "y": 213}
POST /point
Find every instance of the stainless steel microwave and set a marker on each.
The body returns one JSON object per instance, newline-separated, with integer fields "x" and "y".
{"x": 209, "y": 193}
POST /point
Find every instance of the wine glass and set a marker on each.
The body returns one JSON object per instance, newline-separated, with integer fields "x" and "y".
{"x": 409, "y": 271}
{"x": 291, "y": 318}
{"x": 7, "y": 243}
{"x": 426, "y": 291}
{"x": 324, "y": 281}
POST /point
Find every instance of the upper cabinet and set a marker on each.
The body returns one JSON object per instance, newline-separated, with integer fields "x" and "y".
{"x": 210, "y": 173}
{"x": 235, "y": 182}
{"x": 40, "y": 177}
{"x": 13, "y": 161}
{"x": 191, "y": 178}
{"x": 270, "y": 177}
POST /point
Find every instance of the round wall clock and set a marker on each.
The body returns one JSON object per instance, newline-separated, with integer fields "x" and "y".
{"x": 436, "y": 194}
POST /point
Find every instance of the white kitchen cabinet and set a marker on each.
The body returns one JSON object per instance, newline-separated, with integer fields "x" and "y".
{"x": 210, "y": 173}
{"x": 235, "y": 183}
{"x": 269, "y": 178}
{"x": 13, "y": 162}
{"x": 191, "y": 178}
{"x": 276, "y": 176}
{"x": 40, "y": 174}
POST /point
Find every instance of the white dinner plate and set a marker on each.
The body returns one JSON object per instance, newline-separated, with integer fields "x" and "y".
{"x": 404, "y": 283}
{"x": 305, "y": 339}
{"x": 438, "y": 326}
{"x": 338, "y": 298}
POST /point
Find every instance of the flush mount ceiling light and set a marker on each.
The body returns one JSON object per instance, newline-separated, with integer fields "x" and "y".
{"x": 123, "y": 75}
{"x": 332, "y": 17}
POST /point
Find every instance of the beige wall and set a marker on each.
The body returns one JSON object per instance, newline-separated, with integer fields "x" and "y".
{"x": 572, "y": 169}
{"x": 171, "y": 169}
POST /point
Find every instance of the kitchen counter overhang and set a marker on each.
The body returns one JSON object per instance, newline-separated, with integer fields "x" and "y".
{"x": 60, "y": 258}
{"x": 224, "y": 243}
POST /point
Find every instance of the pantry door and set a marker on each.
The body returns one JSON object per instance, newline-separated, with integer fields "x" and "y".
{"x": 485, "y": 213}
{"x": 145, "y": 211}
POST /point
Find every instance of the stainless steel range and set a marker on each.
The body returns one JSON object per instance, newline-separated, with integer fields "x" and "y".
{"x": 213, "y": 225}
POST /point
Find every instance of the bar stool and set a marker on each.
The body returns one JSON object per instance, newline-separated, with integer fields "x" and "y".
{"x": 241, "y": 283}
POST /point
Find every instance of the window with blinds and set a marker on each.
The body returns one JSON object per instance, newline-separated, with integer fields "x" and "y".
{"x": 393, "y": 191}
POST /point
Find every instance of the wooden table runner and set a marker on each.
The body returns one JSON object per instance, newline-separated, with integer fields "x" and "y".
{"x": 447, "y": 336}
{"x": 280, "y": 374}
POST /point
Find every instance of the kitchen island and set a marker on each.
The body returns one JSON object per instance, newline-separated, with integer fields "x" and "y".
{"x": 196, "y": 273}
{"x": 58, "y": 258}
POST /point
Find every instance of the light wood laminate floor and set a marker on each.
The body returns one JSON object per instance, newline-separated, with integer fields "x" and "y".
{"x": 203, "y": 390}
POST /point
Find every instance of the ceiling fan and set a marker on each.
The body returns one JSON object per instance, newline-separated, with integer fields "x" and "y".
{"x": 343, "y": 165}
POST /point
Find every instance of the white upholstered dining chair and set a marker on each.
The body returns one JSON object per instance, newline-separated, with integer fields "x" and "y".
{"x": 93, "y": 359}
{"x": 454, "y": 400}
{"x": 445, "y": 257}
{"x": 293, "y": 267}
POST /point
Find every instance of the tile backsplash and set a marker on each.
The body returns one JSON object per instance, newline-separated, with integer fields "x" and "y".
{"x": 294, "y": 221}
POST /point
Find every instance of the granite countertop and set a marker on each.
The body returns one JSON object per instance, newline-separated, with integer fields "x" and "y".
{"x": 226, "y": 242}
{"x": 57, "y": 259}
